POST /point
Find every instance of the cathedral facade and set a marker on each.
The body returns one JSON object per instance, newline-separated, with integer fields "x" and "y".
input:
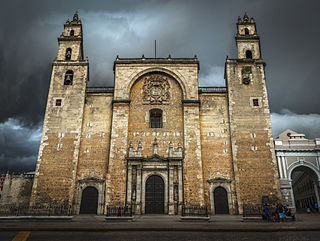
{"x": 156, "y": 141}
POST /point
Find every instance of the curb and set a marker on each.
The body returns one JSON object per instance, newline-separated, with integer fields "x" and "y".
{"x": 36, "y": 218}
{"x": 66, "y": 229}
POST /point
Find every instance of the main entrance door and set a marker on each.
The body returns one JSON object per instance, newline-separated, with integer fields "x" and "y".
{"x": 221, "y": 201}
{"x": 89, "y": 201}
{"x": 154, "y": 195}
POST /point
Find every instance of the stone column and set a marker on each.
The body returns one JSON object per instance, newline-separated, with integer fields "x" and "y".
{"x": 284, "y": 166}
{"x": 293, "y": 202}
{"x": 315, "y": 186}
{"x": 211, "y": 199}
{"x": 180, "y": 198}
{"x": 280, "y": 167}
{"x": 171, "y": 203}
{"x": 129, "y": 185}
{"x": 139, "y": 190}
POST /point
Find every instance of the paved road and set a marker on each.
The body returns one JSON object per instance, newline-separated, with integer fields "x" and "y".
{"x": 307, "y": 227}
{"x": 163, "y": 236}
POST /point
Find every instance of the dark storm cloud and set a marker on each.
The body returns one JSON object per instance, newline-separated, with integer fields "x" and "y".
{"x": 307, "y": 124}
{"x": 19, "y": 146}
{"x": 28, "y": 45}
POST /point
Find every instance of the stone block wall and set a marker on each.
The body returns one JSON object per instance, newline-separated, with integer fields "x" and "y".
{"x": 17, "y": 190}
{"x": 95, "y": 136}
{"x": 139, "y": 120}
{"x": 60, "y": 141}
{"x": 250, "y": 129}
{"x": 117, "y": 168}
{"x": 215, "y": 141}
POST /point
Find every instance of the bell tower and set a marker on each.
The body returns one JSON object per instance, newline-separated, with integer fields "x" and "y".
{"x": 71, "y": 41}
{"x": 254, "y": 163}
{"x": 56, "y": 168}
{"x": 247, "y": 39}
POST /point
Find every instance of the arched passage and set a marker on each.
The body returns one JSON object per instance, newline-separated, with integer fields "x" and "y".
{"x": 154, "y": 195}
{"x": 89, "y": 201}
{"x": 305, "y": 187}
{"x": 220, "y": 201}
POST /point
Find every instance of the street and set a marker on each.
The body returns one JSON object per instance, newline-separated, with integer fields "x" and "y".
{"x": 163, "y": 236}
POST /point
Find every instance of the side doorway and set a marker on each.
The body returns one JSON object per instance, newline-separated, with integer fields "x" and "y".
{"x": 221, "y": 205}
{"x": 89, "y": 201}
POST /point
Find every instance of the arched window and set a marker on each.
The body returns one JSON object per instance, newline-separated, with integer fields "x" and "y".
{"x": 72, "y": 32}
{"x": 68, "y": 77}
{"x": 248, "y": 54}
{"x": 68, "y": 53}
{"x": 246, "y": 31}
{"x": 155, "y": 118}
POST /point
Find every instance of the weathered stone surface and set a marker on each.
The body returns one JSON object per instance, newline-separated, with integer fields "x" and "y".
{"x": 56, "y": 168}
{"x": 215, "y": 141}
{"x": 17, "y": 189}
{"x": 103, "y": 138}
{"x": 250, "y": 129}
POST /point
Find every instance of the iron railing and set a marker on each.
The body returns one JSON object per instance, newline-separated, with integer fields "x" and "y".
{"x": 99, "y": 89}
{"x": 195, "y": 211}
{"x": 119, "y": 211}
{"x": 38, "y": 210}
{"x": 212, "y": 89}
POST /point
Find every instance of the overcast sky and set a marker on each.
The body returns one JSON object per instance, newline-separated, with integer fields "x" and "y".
{"x": 289, "y": 32}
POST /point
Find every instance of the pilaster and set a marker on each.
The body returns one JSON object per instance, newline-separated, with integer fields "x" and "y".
{"x": 116, "y": 176}
{"x": 193, "y": 178}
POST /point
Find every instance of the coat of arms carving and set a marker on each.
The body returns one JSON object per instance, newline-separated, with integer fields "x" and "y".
{"x": 155, "y": 90}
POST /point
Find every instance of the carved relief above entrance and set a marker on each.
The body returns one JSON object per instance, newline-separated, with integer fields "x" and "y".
{"x": 156, "y": 89}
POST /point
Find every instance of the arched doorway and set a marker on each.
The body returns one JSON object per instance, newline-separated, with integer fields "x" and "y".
{"x": 305, "y": 187}
{"x": 89, "y": 201}
{"x": 154, "y": 200}
{"x": 220, "y": 201}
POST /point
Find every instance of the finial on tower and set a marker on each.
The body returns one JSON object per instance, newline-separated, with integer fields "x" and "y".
{"x": 75, "y": 17}
{"x": 245, "y": 18}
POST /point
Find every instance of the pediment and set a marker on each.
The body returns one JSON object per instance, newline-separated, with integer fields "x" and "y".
{"x": 156, "y": 157}
{"x": 91, "y": 179}
{"x": 219, "y": 180}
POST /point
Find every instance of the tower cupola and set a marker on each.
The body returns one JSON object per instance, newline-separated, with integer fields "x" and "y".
{"x": 71, "y": 40}
{"x": 247, "y": 38}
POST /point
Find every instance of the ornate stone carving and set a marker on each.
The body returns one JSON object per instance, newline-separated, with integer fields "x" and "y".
{"x": 156, "y": 90}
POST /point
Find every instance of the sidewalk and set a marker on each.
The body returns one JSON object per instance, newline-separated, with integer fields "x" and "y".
{"x": 223, "y": 223}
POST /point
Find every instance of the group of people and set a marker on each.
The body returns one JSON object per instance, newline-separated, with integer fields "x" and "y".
{"x": 279, "y": 213}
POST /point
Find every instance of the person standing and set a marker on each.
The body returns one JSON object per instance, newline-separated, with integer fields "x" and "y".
{"x": 266, "y": 212}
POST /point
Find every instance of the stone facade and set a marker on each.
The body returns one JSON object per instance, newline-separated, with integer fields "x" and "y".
{"x": 17, "y": 189}
{"x": 156, "y": 121}
{"x": 296, "y": 153}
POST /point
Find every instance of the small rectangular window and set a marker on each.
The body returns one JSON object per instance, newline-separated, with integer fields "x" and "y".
{"x": 255, "y": 102}
{"x": 156, "y": 118}
{"x": 156, "y": 122}
{"x": 58, "y": 102}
